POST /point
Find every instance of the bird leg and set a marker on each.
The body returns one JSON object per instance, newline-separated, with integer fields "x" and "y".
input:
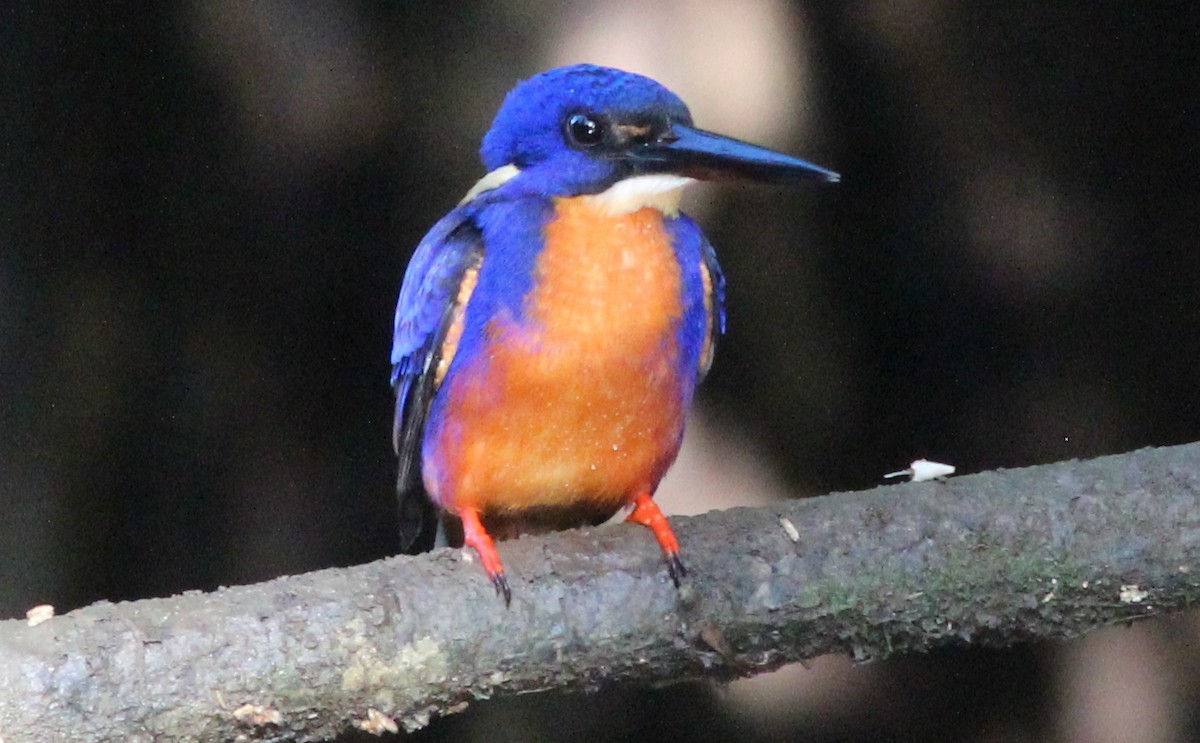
{"x": 475, "y": 536}
{"x": 646, "y": 512}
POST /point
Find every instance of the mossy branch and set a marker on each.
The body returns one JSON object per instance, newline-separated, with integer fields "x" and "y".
{"x": 991, "y": 559}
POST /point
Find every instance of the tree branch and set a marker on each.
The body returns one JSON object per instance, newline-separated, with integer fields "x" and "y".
{"x": 991, "y": 559}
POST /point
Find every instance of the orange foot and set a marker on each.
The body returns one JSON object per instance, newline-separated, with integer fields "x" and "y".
{"x": 474, "y": 535}
{"x": 647, "y": 513}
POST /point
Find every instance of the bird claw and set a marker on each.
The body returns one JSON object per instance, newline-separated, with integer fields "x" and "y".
{"x": 676, "y": 569}
{"x": 500, "y": 583}
{"x": 475, "y": 536}
{"x": 646, "y": 513}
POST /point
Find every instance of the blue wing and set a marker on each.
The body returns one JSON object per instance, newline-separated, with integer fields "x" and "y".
{"x": 431, "y": 301}
{"x": 704, "y": 291}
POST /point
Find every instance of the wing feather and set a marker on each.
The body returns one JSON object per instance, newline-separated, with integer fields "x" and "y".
{"x": 428, "y": 323}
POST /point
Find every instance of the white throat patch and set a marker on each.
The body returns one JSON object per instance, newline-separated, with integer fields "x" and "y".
{"x": 661, "y": 192}
{"x": 627, "y": 196}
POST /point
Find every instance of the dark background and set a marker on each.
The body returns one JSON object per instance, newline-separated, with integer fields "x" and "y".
{"x": 206, "y": 209}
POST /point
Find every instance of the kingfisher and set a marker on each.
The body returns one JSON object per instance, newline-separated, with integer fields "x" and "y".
{"x": 552, "y": 328}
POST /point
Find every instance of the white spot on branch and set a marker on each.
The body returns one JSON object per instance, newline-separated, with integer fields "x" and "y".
{"x": 37, "y": 615}
{"x": 922, "y": 470}
{"x": 1131, "y": 593}
{"x": 377, "y": 723}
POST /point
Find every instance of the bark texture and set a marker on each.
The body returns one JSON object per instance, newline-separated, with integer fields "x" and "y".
{"x": 993, "y": 559}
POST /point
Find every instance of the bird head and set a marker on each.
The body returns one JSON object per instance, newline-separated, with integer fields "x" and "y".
{"x": 585, "y": 129}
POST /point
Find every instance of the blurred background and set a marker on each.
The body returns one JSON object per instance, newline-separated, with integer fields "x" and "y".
{"x": 206, "y": 208}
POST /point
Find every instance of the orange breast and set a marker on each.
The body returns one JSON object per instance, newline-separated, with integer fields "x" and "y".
{"x": 582, "y": 400}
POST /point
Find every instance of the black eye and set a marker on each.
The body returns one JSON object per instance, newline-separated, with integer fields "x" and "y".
{"x": 585, "y": 130}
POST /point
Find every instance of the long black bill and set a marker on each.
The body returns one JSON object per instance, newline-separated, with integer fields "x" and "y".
{"x": 696, "y": 153}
